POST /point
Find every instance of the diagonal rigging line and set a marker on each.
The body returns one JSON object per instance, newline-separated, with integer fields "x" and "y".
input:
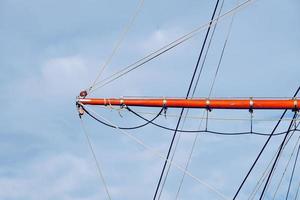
{"x": 193, "y": 93}
{"x": 276, "y": 159}
{"x": 262, "y": 150}
{"x": 119, "y": 42}
{"x": 95, "y": 159}
{"x": 158, "y": 154}
{"x": 286, "y": 167}
{"x": 167, "y": 47}
{"x": 210, "y": 92}
{"x": 291, "y": 179}
{"x": 187, "y": 95}
{"x": 263, "y": 176}
{"x": 281, "y": 147}
{"x": 297, "y": 192}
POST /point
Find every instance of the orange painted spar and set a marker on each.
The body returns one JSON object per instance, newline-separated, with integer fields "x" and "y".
{"x": 197, "y": 103}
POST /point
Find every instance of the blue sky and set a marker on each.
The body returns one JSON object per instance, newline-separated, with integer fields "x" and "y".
{"x": 50, "y": 50}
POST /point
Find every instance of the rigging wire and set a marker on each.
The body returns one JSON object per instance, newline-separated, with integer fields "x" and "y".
{"x": 298, "y": 189}
{"x": 263, "y": 176}
{"x": 208, "y": 131}
{"x": 159, "y": 155}
{"x": 95, "y": 159}
{"x": 193, "y": 93}
{"x": 294, "y": 166}
{"x": 124, "y": 128}
{"x": 262, "y": 150}
{"x": 277, "y": 156}
{"x": 119, "y": 42}
{"x": 187, "y": 95}
{"x": 210, "y": 92}
{"x": 168, "y": 47}
{"x": 295, "y": 125}
{"x": 285, "y": 170}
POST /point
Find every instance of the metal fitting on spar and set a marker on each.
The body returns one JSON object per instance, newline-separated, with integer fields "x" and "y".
{"x": 296, "y": 106}
{"x": 251, "y": 104}
{"x": 83, "y": 94}
{"x": 79, "y": 108}
{"x": 207, "y": 103}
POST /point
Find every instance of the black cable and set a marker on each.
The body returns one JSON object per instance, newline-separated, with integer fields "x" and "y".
{"x": 203, "y": 131}
{"x": 291, "y": 179}
{"x": 123, "y": 128}
{"x": 277, "y": 156}
{"x": 179, "y": 130}
{"x": 187, "y": 95}
{"x": 263, "y": 148}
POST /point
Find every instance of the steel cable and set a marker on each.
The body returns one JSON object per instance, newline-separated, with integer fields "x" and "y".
{"x": 262, "y": 150}
{"x": 167, "y": 47}
{"x": 276, "y": 159}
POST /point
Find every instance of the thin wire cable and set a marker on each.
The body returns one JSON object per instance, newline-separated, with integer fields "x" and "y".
{"x": 263, "y": 176}
{"x": 207, "y": 50}
{"x": 159, "y": 155}
{"x": 292, "y": 176}
{"x": 169, "y": 46}
{"x": 119, "y": 42}
{"x": 193, "y": 93}
{"x": 297, "y": 192}
{"x": 172, "y": 157}
{"x": 262, "y": 150}
{"x": 276, "y": 159}
{"x": 273, "y": 174}
{"x": 187, "y": 95}
{"x": 285, "y": 169}
{"x": 210, "y": 92}
{"x": 95, "y": 159}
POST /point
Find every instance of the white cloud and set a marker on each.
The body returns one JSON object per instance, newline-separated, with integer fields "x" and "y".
{"x": 57, "y": 176}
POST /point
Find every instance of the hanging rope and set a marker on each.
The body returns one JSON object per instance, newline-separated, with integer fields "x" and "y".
{"x": 124, "y": 128}
{"x": 202, "y": 131}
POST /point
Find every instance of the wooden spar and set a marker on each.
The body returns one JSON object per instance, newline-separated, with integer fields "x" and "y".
{"x": 291, "y": 104}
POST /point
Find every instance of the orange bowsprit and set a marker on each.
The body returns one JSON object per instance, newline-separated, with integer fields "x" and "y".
{"x": 292, "y": 104}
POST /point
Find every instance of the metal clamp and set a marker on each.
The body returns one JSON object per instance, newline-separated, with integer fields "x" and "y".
{"x": 164, "y": 106}
{"x": 296, "y": 108}
{"x": 207, "y": 102}
{"x": 251, "y": 104}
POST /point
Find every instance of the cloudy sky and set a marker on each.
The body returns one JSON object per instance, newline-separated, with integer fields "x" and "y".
{"x": 50, "y": 50}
